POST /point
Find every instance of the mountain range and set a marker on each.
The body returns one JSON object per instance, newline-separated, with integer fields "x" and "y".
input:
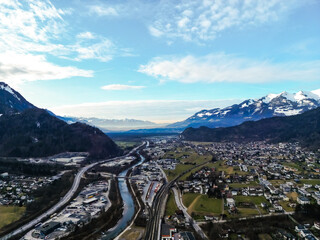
{"x": 111, "y": 125}
{"x": 271, "y": 105}
{"x": 283, "y": 104}
{"x": 27, "y": 131}
{"x": 303, "y": 128}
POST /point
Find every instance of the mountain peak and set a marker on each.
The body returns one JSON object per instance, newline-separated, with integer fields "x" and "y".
{"x": 7, "y": 88}
{"x": 293, "y": 97}
{"x": 21, "y": 123}
{"x": 11, "y": 101}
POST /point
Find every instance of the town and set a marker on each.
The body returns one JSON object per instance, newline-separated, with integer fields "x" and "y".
{"x": 212, "y": 183}
{"x": 244, "y": 181}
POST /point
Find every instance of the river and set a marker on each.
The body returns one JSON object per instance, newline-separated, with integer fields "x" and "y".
{"x": 128, "y": 205}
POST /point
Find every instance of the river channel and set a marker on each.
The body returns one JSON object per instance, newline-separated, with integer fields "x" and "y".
{"x": 128, "y": 205}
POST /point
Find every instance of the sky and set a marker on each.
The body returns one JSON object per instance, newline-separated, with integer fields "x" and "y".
{"x": 160, "y": 60}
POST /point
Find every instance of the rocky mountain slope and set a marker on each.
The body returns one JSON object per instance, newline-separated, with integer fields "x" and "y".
{"x": 27, "y": 131}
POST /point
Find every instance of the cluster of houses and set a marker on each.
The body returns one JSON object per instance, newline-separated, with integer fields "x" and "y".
{"x": 148, "y": 179}
{"x": 276, "y": 172}
{"x": 199, "y": 182}
{"x": 259, "y": 160}
{"x": 169, "y": 232}
{"x": 207, "y": 179}
{"x": 168, "y": 164}
{"x": 303, "y": 231}
{"x": 17, "y": 189}
{"x": 159, "y": 146}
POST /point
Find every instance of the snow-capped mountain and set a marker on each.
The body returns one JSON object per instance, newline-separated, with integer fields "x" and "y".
{"x": 283, "y": 104}
{"x": 11, "y": 101}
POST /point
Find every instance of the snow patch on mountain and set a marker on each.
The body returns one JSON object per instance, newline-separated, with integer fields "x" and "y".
{"x": 9, "y": 90}
{"x": 288, "y": 112}
{"x": 316, "y": 92}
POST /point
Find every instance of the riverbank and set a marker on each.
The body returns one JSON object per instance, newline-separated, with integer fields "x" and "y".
{"x": 128, "y": 204}
{"x": 137, "y": 207}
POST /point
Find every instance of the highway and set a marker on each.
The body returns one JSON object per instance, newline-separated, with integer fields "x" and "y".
{"x": 65, "y": 199}
{"x": 158, "y": 206}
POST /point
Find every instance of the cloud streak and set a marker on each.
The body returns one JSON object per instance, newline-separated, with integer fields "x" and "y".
{"x": 120, "y": 87}
{"x": 227, "y": 68}
{"x": 19, "y": 68}
{"x": 102, "y": 10}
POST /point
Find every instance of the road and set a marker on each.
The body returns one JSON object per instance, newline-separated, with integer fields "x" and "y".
{"x": 253, "y": 217}
{"x": 65, "y": 199}
{"x": 158, "y": 206}
{"x": 178, "y": 199}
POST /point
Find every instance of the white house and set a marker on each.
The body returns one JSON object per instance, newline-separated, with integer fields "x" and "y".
{"x": 303, "y": 200}
{"x": 231, "y": 202}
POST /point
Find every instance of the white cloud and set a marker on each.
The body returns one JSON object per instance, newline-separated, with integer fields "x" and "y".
{"x": 204, "y": 20}
{"x": 33, "y": 31}
{"x": 160, "y": 111}
{"x": 18, "y": 68}
{"x": 29, "y": 31}
{"x": 155, "y": 32}
{"x": 102, "y": 10}
{"x": 121, "y": 87}
{"x": 226, "y": 68}
{"x": 103, "y": 50}
{"x": 86, "y": 35}
{"x": 37, "y": 21}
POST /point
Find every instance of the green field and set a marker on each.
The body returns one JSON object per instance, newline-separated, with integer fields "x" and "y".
{"x": 293, "y": 165}
{"x": 277, "y": 183}
{"x": 208, "y": 205}
{"x": 286, "y": 207}
{"x": 187, "y": 156}
{"x": 310, "y": 181}
{"x": 228, "y": 170}
{"x": 124, "y": 145}
{"x": 245, "y": 212}
{"x": 184, "y": 177}
{"x": 9, "y": 214}
{"x": 171, "y": 206}
{"x": 180, "y": 168}
{"x": 187, "y": 160}
{"x": 188, "y": 198}
{"x": 243, "y": 185}
{"x": 256, "y": 200}
{"x": 202, "y": 205}
{"x": 264, "y": 236}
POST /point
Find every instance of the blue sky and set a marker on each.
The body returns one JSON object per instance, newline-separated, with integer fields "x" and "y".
{"x": 157, "y": 60}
